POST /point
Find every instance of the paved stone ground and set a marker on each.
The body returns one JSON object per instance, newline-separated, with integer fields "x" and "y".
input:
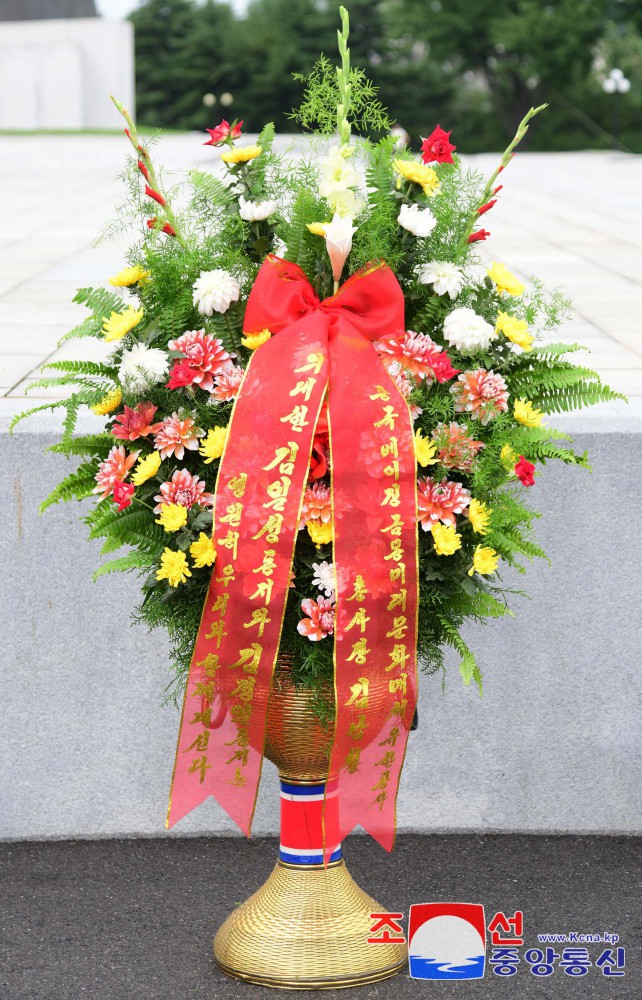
{"x": 114, "y": 920}
{"x": 571, "y": 218}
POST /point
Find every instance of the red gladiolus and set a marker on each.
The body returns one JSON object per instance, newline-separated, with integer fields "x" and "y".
{"x": 166, "y": 228}
{"x": 181, "y": 374}
{"x": 154, "y": 194}
{"x": 223, "y": 133}
{"x": 122, "y": 494}
{"x": 437, "y": 148}
{"x": 524, "y": 471}
{"x": 486, "y": 207}
{"x": 143, "y": 169}
{"x": 127, "y": 133}
{"x": 505, "y": 164}
{"x": 481, "y": 234}
{"x": 498, "y": 188}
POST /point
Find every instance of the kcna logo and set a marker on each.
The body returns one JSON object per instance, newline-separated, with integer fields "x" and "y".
{"x": 447, "y": 940}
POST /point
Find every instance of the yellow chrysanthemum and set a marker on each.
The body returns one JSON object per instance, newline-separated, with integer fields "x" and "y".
{"x": 136, "y": 275}
{"x": 254, "y": 340}
{"x": 485, "y": 561}
{"x": 212, "y": 445}
{"x": 508, "y": 456}
{"x": 172, "y": 516}
{"x": 174, "y": 567}
{"x": 505, "y": 280}
{"x": 425, "y": 450}
{"x": 446, "y": 539}
{"x": 241, "y": 154}
{"x": 202, "y": 551}
{"x": 317, "y": 228}
{"x": 146, "y": 468}
{"x": 320, "y": 532}
{"x": 515, "y": 330}
{"x": 479, "y": 516}
{"x": 120, "y": 324}
{"x": 418, "y": 173}
{"x": 526, "y": 414}
{"x": 108, "y": 403}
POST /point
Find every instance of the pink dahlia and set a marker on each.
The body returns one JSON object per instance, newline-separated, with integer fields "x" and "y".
{"x": 185, "y": 489}
{"x": 226, "y": 383}
{"x": 205, "y": 355}
{"x": 132, "y": 424}
{"x": 440, "y": 502}
{"x": 317, "y": 504}
{"x": 114, "y": 469}
{"x": 417, "y": 355}
{"x": 174, "y": 435}
{"x": 320, "y": 620}
{"x": 456, "y": 449}
{"x": 482, "y": 394}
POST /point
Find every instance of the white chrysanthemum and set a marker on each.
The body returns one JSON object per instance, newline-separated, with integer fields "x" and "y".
{"x": 142, "y": 367}
{"x": 418, "y": 221}
{"x": 468, "y": 332}
{"x": 443, "y": 276}
{"x": 214, "y": 291}
{"x": 256, "y": 211}
{"x": 476, "y": 274}
{"x": 324, "y": 577}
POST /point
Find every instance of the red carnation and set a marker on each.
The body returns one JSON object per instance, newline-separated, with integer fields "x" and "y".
{"x": 123, "y": 493}
{"x": 437, "y": 148}
{"x": 182, "y": 374}
{"x": 481, "y": 234}
{"x": 223, "y": 133}
{"x": 524, "y": 471}
{"x": 153, "y": 224}
{"x": 486, "y": 207}
{"x": 154, "y": 194}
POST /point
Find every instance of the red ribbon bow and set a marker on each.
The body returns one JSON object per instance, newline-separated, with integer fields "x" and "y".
{"x": 316, "y": 347}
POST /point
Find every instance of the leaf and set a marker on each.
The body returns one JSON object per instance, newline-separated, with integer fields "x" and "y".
{"x": 133, "y": 560}
{"x": 78, "y": 485}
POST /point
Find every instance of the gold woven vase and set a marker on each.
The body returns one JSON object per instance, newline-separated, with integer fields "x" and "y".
{"x": 308, "y": 926}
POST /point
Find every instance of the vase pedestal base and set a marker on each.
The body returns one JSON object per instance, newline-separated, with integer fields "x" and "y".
{"x": 306, "y": 928}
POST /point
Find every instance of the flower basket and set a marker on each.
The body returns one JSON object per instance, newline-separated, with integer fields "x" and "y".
{"x": 321, "y": 417}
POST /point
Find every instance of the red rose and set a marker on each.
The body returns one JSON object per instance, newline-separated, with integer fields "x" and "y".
{"x": 442, "y": 367}
{"x": 181, "y": 374}
{"x": 437, "y": 148}
{"x": 524, "y": 471}
{"x": 223, "y": 133}
{"x": 123, "y": 493}
{"x": 480, "y": 234}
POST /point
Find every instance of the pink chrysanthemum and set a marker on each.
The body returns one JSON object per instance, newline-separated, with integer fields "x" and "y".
{"x": 456, "y": 449}
{"x": 174, "y": 435}
{"x": 132, "y": 424}
{"x": 417, "y": 355}
{"x": 440, "y": 502}
{"x": 316, "y": 505}
{"x": 114, "y": 469}
{"x": 226, "y": 383}
{"x": 205, "y": 355}
{"x": 482, "y": 394}
{"x": 185, "y": 489}
{"x": 320, "y": 620}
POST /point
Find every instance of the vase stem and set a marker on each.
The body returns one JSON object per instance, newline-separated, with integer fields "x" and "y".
{"x": 302, "y": 811}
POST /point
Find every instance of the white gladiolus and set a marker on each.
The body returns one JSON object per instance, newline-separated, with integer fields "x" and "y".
{"x": 256, "y": 211}
{"x": 338, "y": 181}
{"x": 214, "y": 291}
{"x": 418, "y": 221}
{"x": 142, "y": 367}
{"x": 468, "y": 332}
{"x": 445, "y": 278}
{"x": 338, "y": 241}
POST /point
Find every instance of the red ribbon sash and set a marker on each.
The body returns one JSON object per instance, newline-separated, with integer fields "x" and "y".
{"x": 316, "y": 347}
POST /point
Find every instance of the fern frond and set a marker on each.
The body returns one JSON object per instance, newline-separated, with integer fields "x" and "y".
{"x": 468, "y": 667}
{"x": 53, "y": 405}
{"x": 84, "y": 368}
{"x": 77, "y": 486}
{"x": 133, "y": 560}
{"x": 99, "y": 301}
{"x": 89, "y": 444}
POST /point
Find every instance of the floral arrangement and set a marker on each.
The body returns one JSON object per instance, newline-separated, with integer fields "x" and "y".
{"x": 476, "y": 365}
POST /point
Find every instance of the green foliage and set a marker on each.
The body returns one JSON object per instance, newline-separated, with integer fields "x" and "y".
{"x": 318, "y": 109}
{"x": 77, "y": 486}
